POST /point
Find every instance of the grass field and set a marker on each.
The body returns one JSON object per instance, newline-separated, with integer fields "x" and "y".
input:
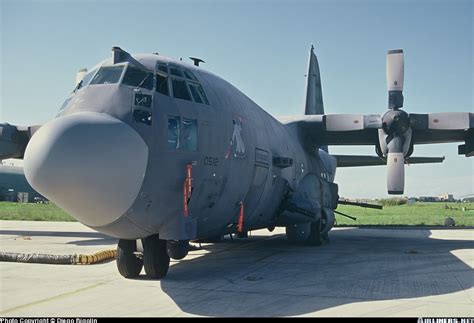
{"x": 431, "y": 214}
{"x": 32, "y": 212}
{"x": 420, "y": 213}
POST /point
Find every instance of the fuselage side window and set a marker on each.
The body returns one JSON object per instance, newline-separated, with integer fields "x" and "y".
{"x": 180, "y": 90}
{"x": 107, "y": 75}
{"x": 138, "y": 78}
{"x": 162, "y": 84}
{"x": 173, "y": 132}
{"x": 189, "y": 135}
{"x": 182, "y": 133}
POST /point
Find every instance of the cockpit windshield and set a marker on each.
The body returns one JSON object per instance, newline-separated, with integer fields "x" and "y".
{"x": 87, "y": 78}
{"x": 108, "y": 75}
{"x": 138, "y": 78}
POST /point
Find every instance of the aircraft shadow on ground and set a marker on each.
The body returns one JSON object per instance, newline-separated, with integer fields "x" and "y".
{"x": 65, "y": 234}
{"x": 269, "y": 277}
{"x": 96, "y": 238}
{"x": 109, "y": 241}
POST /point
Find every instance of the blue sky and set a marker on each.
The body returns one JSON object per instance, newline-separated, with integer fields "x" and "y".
{"x": 262, "y": 48}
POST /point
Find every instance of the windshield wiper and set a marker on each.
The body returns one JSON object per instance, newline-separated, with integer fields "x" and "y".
{"x": 143, "y": 81}
{"x": 78, "y": 86}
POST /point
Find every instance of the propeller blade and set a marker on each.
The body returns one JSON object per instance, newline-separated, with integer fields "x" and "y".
{"x": 395, "y": 173}
{"x": 395, "y": 71}
{"x": 442, "y": 121}
{"x": 351, "y": 122}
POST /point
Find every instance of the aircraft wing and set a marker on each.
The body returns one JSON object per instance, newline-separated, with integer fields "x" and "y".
{"x": 13, "y": 140}
{"x": 358, "y": 129}
{"x": 359, "y": 160}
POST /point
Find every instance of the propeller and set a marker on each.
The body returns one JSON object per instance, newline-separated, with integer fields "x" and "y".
{"x": 396, "y": 133}
{"x": 395, "y": 127}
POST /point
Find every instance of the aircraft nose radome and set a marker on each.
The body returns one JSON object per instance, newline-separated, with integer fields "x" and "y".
{"x": 90, "y": 164}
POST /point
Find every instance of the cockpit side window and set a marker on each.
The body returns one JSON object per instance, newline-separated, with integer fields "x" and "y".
{"x": 163, "y": 67}
{"x": 189, "y": 75}
{"x": 198, "y": 93}
{"x": 184, "y": 84}
{"x": 197, "y": 98}
{"x": 107, "y": 75}
{"x": 162, "y": 84}
{"x": 203, "y": 94}
{"x": 138, "y": 78}
{"x": 176, "y": 71}
{"x": 180, "y": 90}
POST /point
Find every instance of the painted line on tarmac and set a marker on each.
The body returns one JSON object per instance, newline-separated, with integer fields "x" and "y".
{"x": 53, "y": 298}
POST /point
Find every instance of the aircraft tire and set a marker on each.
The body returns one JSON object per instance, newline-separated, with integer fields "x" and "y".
{"x": 128, "y": 264}
{"x": 298, "y": 233}
{"x": 315, "y": 236}
{"x": 155, "y": 257}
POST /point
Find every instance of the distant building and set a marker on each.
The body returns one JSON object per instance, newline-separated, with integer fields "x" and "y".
{"x": 446, "y": 197}
{"x": 14, "y": 187}
{"x": 428, "y": 199}
{"x": 412, "y": 200}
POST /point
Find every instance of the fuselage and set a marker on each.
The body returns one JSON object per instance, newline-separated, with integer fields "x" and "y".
{"x": 182, "y": 115}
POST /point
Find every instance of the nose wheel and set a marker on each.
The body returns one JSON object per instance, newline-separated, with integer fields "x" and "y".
{"x": 155, "y": 257}
{"x": 128, "y": 263}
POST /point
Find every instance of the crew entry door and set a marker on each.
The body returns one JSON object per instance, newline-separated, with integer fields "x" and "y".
{"x": 257, "y": 187}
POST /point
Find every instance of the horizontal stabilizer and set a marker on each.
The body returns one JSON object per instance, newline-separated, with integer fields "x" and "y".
{"x": 358, "y": 160}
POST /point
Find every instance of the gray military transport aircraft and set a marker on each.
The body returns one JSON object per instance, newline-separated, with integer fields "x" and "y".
{"x": 157, "y": 153}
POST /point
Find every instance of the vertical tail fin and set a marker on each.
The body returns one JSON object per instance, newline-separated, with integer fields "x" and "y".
{"x": 314, "y": 94}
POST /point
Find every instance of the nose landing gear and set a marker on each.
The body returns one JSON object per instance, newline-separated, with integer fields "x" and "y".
{"x": 128, "y": 263}
{"x": 155, "y": 259}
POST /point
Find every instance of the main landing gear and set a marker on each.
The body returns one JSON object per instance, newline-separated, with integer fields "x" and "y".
{"x": 155, "y": 258}
{"x": 306, "y": 233}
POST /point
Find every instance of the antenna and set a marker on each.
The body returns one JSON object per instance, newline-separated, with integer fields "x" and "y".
{"x": 196, "y": 60}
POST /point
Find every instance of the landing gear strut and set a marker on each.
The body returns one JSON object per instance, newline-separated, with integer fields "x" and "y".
{"x": 315, "y": 236}
{"x": 155, "y": 258}
{"x": 128, "y": 263}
